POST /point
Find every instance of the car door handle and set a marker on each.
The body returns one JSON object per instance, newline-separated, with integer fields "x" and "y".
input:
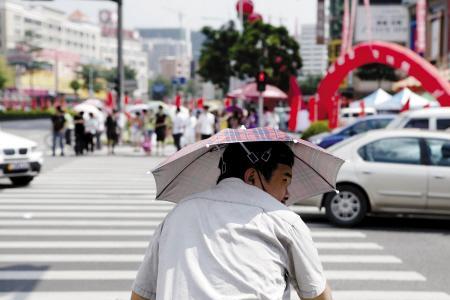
{"x": 438, "y": 177}
{"x": 367, "y": 172}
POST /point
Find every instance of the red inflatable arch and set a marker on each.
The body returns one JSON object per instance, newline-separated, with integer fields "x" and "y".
{"x": 393, "y": 55}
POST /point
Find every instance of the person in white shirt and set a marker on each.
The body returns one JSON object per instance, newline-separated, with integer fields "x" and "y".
{"x": 237, "y": 240}
{"x": 179, "y": 124}
{"x": 91, "y": 126}
{"x": 206, "y": 124}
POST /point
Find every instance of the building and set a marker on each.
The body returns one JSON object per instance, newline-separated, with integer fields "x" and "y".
{"x": 173, "y": 67}
{"x": 314, "y": 56}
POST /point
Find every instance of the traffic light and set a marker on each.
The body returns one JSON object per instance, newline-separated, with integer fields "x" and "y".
{"x": 261, "y": 81}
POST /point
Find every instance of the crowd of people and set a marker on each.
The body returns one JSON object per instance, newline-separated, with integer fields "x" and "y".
{"x": 146, "y": 128}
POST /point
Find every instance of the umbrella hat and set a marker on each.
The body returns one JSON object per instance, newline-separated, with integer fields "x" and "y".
{"x": 195, "y": 168}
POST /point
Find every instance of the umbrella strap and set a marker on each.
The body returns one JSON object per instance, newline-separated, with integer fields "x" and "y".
{"x": 250, "y": 155}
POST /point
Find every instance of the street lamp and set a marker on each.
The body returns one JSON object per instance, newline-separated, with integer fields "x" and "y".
{"x": 120, "y": 70}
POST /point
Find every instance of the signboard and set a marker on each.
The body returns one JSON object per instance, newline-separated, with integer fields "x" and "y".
{"x": 320, "y": 27}
{"x": 388, "y": 23}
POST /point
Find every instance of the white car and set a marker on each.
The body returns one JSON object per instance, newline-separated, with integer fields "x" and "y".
{"x": 389, "y": 171}
{"x": 434, "y": 118}
{"x": 20, "y": 161}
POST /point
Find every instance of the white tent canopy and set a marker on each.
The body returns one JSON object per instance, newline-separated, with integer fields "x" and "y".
{"x": 375, "y": 99}
{"x": 398, "y": 101}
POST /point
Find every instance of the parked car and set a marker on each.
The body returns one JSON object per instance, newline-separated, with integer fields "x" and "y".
{"x": 435, "y": 118}
{"x": 362, "y": 125}
{"x": 389, "y": 171}
{"x": 349, "y": 115}
{"x": 20, "y": 161}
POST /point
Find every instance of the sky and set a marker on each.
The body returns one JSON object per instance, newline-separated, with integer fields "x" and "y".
{"x": 196, "y": 13}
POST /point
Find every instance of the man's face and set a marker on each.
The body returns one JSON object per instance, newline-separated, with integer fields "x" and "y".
{"x": 278, "y": 184}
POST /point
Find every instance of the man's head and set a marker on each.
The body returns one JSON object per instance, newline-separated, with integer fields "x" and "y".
{"x": 160, "y": 108}
{"x": 268, "y": 166}
{"x": 206, "y": 108}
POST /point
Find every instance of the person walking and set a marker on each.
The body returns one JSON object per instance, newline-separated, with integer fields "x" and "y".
{"x": 136, "y": 127}
{"x": 206, "y": 123}
{"x": 112, "y": 131}
{"x": 58, "y": 124}
{"x": 179, "y": 125}
{"x": 236, "y": 240}
{"x": 69, "y": 126}
{"x": 79, "y": 134}
{"x": 160, "y": 129}
{"x": 149, "y": 129}
{"x": 90, "y": 129}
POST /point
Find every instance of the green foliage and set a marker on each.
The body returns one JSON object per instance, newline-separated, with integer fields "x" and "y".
{"x": 102, "y": 76}
{"x": 75, "y": 86}
{"x": 111, "y": 74}
{"x": 168, "y": 88}
{"x": 315, "y": 128}
{"x": 6, "y": 74}
{"x": 376, "y": 72}
{"x": 215, "y": 58}
{"x": 309, "y": 84}
{"x": 21, "y": 115}
{"x": 270, "y": 47}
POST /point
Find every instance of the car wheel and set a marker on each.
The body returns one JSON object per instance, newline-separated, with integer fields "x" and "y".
{"x": 346, "y": 208}
{"x": 21, "y": 181}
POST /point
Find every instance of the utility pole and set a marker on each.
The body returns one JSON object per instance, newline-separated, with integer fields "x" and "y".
{"x": 120, "y": 71}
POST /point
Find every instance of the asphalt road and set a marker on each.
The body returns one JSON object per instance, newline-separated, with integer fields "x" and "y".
{"x": 80, "y": 229}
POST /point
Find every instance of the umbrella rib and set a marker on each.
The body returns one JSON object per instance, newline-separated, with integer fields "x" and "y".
{"x": 176, "y": 176}
{"x": 320, "y": 175}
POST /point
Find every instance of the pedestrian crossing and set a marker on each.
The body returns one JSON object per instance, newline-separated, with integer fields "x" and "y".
{"x": 81, "y": 230}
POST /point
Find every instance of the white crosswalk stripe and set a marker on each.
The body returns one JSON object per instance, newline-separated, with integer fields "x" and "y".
{"x": 87, "y": 222}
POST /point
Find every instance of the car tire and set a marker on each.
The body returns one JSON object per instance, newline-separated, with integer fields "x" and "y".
{"x": 346, "y": 208}
{"x": 22, "y": 180}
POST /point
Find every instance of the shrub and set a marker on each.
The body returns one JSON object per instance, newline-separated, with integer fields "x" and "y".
{"x": 315, "y": 128}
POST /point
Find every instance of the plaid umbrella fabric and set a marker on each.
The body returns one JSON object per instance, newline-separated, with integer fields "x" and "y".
{"x": 195, "y": 168}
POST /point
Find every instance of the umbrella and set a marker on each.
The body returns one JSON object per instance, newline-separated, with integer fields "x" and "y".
{"x": 250, "y": 91}
{"x": 194, "y": 168}
{"x": 88, "y": 108}
{"x": 95, "y": 102}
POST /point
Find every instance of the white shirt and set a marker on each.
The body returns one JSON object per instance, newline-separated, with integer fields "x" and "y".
{"x": 234, "y": 242}
{"x": 178, "y": 124}
{"x": 206, "y": 123}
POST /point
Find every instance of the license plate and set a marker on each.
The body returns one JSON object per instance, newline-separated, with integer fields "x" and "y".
{"x": 18, "y": 166}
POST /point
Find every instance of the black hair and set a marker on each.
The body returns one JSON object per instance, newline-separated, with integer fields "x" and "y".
{"x": 267, "y": 155}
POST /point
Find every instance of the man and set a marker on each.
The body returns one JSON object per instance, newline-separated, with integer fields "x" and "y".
{"x": 58, "y": 123}
{"x": 206, "y": 123}
{"x": 237, "y": 240}
{"x": 179, "y": 124}
{"x": 160, "y": 130}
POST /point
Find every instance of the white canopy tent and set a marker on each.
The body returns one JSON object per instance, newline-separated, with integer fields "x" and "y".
{"x": 373, "y": 100}
{"x": 398, "y": 101}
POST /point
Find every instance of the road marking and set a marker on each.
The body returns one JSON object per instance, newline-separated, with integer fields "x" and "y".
{"x": 338, "y": 234}
{"x": 73, "y": 232}
{"x": 374, "y": 275}
{"x": 155, "y": 204}
{"x": 107, "y": 295}
{"x": 346, "y": 246}
{"x": 84, "y": 215}
{"x": 364, "y": 259}
{"x": 81, "y": 207}
{"x": 78, "y": 223}
{"x": 33, "y": 258}
{"x": 389, "y": 295}
{"x": 75, "y": 245}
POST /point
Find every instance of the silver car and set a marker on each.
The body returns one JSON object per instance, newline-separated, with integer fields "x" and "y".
{"x": 390, "y": 171}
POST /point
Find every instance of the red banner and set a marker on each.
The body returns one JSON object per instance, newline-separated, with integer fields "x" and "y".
{"x": 295, "y": 98}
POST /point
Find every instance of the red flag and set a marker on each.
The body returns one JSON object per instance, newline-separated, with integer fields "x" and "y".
{"x": 227, "y": 102}
{"x": 33, "y": 103}
{"x": 295, "y": 98}
{"x": 312, "y": 109}
{"x": 127, "y": 100}
{"x": 406, "y": 106}
{"x": 200, "y": 103}
{"x": 109, "y": 100}
{"x": 178, "y": 101}
{"x": 333, "y": 113}
{"x": 362, "y": 106}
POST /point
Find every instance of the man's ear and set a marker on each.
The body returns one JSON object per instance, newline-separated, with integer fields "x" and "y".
{"x": 250, "y": 176}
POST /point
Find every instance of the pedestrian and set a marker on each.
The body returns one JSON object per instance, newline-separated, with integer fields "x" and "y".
{"x": 206, "y": 123}
{"x": 90, "y": 129}
{"x": 178, "y": 128}
{"x": 270, "y": 119}
{"x": 136, "y": 127}
{"x": 190, "y": 130}
{"x": 160, "y": 129}
{"x": 112, "y": 131}
{"x": 252, "y": 119}
{"x": 236, "y": 240}
{"x": 70, "y": 126}
{"x": 58, "y": 123}
{"x": 149, "y": 129}
{"x": 100, "y": 130}
{"x": 79, "y": 134}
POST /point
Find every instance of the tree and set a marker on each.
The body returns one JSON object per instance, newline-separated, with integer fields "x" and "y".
{"x": 227, "y": 53}
{"x": 110, "y": 75}
{"x": 75, "y": 86}
{"x": 270, "y": 48}
{"x": 309, "y": 84}
{"x": 6, "y": 74}
{"x": 376, "y": 72}
{"x": 94, "y": 73}
{"x": 159, "y": 88}
{"x": 215, "y": 57}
